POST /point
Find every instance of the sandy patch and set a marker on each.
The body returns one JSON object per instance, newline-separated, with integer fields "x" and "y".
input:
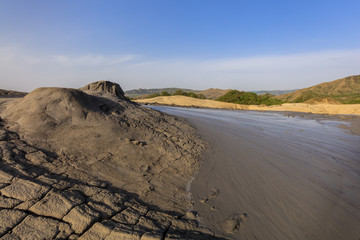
{"x": 353, "y": 109}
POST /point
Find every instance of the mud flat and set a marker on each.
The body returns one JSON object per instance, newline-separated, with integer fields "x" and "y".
{"x": 276, "y": 176}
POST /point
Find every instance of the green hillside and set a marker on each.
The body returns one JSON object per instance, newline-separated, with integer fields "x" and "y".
{"x": 344, "y": 90}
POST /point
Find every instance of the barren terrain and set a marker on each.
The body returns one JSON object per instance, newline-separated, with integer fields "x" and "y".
{"x": 89, "y": 164}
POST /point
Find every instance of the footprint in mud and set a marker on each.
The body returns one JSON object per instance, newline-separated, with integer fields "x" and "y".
{"x": 234, "y": 222}
{"x": 213, "y": 194}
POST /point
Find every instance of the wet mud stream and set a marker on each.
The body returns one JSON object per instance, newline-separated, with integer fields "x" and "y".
{"x": 267, "y": 175}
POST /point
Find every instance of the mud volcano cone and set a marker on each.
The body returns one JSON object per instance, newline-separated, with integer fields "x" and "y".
{"x": 95, "y": 129}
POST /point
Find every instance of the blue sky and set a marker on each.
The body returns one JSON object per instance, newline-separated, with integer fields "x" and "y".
{"x": 247, "y": 45}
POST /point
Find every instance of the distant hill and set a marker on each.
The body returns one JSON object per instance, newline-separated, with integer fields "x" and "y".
{"x": 344, "y": 90}
{"x": 140, "y": 92}
{"x": 213, "y": 93}
{"x": 11, "y": 94}
{"x": 274, "y": 92}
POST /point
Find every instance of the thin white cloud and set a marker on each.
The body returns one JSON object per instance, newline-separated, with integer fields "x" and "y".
{"x": 93, "y": 59}
{"x": 12, "y": 54}
{"x": 22, "y": 70}
{"x": 252, "y": 73}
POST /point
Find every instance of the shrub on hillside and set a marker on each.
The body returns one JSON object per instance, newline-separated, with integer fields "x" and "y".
{"x": 189, "y": 94}
{"x": 306, "y": 96}
{"x": 177, "y": 92}
{"x": 248, "y": 98}
{"x": 165, "y": 93}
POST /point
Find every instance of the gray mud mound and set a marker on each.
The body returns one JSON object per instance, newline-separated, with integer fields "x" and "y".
{"x": 100, "y": 134}
{"x": 89, "y": 164}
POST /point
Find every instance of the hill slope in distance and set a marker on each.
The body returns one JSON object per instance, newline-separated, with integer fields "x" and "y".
{"x": 344, "y": 90}
{"x": 211, "y": 93}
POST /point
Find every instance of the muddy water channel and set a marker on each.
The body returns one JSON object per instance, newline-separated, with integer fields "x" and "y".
{"x": 268, "y": 175}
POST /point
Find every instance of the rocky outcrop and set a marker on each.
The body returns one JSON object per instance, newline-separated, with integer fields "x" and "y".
{"x": 11, "y": 94}
{"x": 104, "y": 87}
